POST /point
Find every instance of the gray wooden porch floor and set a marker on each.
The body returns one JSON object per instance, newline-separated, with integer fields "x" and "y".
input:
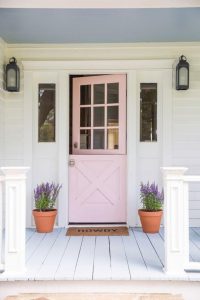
{"x": 139, "y": 256}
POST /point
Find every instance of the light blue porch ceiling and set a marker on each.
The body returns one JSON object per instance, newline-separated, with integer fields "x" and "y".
{"x": 99, "y": 25}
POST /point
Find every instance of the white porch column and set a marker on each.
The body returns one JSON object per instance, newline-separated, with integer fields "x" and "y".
{"x": 1, "y": 221}
{"x": 15, "y": 213}
{"x": 176, "y": 220}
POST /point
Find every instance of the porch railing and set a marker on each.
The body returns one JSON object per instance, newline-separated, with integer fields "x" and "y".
{"x": 13, "y": 181}
{"x": 176, "y": 220}
{"x": 1, "y": 222}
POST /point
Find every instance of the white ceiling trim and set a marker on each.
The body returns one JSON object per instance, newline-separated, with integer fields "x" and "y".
{"x": 96, "y": 65}
{"x": 99, "y": 3}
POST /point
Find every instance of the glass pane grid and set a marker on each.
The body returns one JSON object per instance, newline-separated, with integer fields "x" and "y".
{"x": 148, "y": 112}
{"x": 113, "y": 138}
{"x": 99, "y": 129}
{"x": 113, "y": 92}
{"x": 99, "y": 93}
{"x": 85, "y": 94}
{"x": 46, "y": 112}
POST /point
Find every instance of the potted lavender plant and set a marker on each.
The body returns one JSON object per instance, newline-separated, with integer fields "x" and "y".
{"x": 151, "y": 212}
{"x": 45, "y": 196}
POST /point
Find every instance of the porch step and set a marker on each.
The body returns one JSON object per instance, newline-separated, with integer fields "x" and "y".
{"x": 95, "y": 297}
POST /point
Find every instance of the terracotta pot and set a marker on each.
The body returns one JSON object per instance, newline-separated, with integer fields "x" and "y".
{"x": 44, "y": 220}
{"x": 150, "y": 220}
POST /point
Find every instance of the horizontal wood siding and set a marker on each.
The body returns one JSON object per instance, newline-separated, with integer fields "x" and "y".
{"x": 14, "y": 126}
{"x": 185, "y": 113}
{"x": 186, "y": 137}
{"x": 2, "y": 95}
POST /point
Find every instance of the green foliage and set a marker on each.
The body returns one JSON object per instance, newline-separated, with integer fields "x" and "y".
{"x": 150, "y": 196}
{"x": 150, "y": 203}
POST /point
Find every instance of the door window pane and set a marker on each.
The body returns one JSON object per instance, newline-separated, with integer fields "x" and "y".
{"x": 85, "y": 139}
{"x": 112, "y": 115}
{"x": 98, "y": 119}
{"x": 85, "y": 97}
{"x": 113, "y": 139}
{"x": 113, "y": 92}
{"x": 148, "y": 112}
{"x": 98, "y": 139}
{"x": 99, "y": 93}
{"x": 46, "y": 113}
{"x": 85, "y": 117}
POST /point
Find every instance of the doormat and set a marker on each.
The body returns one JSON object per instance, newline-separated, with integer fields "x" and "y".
{"x": 58, "y": 296}
{"x": 97, "y": 231}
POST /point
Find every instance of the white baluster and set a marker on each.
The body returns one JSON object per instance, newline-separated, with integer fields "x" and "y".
{"x": 15, "y": 227}
{"x": 176, "y": 220}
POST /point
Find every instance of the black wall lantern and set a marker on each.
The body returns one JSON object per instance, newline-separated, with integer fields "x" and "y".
{"x": 12, "y": 75}
{"x": 182, "y": 74}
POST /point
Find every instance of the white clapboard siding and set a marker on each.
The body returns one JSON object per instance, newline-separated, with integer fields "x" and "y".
{"x": 2, "y": 105}
{"x": 186, "y": 138}
{"x": 14, "y": 127}
{"x": 195, "y": 213}
{"x": 194, "y": 196}
{"x": 185, "y": 129}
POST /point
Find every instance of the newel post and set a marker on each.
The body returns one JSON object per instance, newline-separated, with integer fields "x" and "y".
{"x": 176, "y": 220}
{"x": 15, "y": 214}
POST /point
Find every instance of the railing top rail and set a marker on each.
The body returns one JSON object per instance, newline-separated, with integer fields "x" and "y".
{"x": 191, "y": 178}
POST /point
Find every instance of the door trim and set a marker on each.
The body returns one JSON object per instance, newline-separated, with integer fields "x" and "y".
{"x": 64, "y": 69}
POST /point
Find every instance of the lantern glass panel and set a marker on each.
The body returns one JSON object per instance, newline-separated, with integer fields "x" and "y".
{"x": 183, "y": 76}
{"x": 11, "y": 78}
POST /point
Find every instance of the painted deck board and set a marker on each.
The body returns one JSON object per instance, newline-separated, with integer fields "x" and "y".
{"x": 197, "y": 230}
{"x": 158, "y": 245}
{"x": 84, "y": 267}
{"x": 119, "y": 264}
{"x": 137, "y": 266}
{"x": 67, "y": 266}
{"x": 102, "y": 267}
{"x": 162, "y": 233}
{"x": 139, "y": 256}
{"x": 39, "y": 256}
{"x": 33, "y": 243}
{"x": 51, "y": 263}
{"x": 29, "y": 233}
{"x": 195, "y": 238}
{"x": 151, "y": 259}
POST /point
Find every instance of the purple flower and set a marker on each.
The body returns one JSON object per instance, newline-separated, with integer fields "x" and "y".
{"x": 45, "y": 195}
{"x": 151, "y": 198}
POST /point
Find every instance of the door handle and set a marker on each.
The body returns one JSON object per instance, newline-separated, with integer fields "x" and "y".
{"x": 71, "y": 162}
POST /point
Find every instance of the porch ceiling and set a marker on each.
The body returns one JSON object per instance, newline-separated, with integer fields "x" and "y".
{"x": 99, "y": 25}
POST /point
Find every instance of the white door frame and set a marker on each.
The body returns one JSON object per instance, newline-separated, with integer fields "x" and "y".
{"x": 66, "y": 68}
